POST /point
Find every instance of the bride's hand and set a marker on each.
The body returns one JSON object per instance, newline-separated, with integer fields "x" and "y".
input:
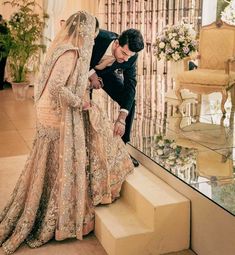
{"x": 86, "y": 106}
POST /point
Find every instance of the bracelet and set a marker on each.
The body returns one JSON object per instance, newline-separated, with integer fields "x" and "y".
{"x": 101, "y": 82}
{"x": 122, "y": 122}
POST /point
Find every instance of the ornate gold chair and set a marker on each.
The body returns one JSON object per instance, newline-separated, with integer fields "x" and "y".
{"x": 215, "y": 72}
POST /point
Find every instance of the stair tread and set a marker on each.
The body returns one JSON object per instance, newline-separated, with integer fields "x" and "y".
{"x": 120, "y": 219}
{"x": 153, "y": 189}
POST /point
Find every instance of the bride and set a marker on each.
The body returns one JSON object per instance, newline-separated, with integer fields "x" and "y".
{"x": 76, "y": 163}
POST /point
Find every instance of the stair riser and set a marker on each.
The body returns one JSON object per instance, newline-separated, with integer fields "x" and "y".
{"x": 143, "y": 208}
{"x": 172, "y": 232}
{"x": 172, "y": 229}
{"x": 104, "y": 236}
{"x": 130, "y": 245}
{"x": 150, "y": 218}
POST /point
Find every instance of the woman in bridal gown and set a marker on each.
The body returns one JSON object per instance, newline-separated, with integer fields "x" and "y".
{"x": 75, "y": 163}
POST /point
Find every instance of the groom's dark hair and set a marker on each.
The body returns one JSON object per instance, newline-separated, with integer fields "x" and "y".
{"x": 133, "y": 38}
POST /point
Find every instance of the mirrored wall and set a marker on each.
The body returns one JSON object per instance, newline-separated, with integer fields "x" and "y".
{"x": 196, "y": 146}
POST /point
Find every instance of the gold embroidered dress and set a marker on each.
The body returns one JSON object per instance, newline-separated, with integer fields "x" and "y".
{"x": 75, "y": 162}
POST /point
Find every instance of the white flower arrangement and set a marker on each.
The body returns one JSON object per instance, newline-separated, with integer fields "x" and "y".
{"x": 228, "y": 15}
{"x": 175, "y": 42}
{"x": 172, "y": 156}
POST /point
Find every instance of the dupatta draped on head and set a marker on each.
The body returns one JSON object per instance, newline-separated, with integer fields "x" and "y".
{"x": 77, "y": 34}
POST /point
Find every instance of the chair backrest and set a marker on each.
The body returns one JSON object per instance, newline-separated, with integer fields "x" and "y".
{"x": 216, "y": 45}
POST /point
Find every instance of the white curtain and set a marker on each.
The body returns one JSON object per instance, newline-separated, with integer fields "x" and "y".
{"x": 62, "y": 9}
{"x": 54, "y": 9}
{"x": 209, "y": 9}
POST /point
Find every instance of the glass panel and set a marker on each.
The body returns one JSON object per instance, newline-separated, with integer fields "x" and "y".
{"x": 198, "y": 146}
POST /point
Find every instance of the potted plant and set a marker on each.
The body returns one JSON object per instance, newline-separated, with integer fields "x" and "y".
{"x": 23, "y": 43}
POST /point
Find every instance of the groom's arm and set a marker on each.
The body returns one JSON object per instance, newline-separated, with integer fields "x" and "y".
{"x": 129, "y": 75}
{"x": 126, "y": 103}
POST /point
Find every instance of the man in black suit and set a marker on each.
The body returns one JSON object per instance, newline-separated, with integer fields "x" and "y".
{"x": 114, "y": 63}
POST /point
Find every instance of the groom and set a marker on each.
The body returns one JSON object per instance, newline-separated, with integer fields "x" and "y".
{"x": 113, "y": 67}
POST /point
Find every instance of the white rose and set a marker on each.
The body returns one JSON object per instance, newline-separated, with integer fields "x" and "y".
{"x": 161, "y": 143}
{"x": 181, "y": 39}
{"x": 174, "y": 44}
{"x": 176, "y": 56}
{"x": 162, "y": 55}
{"x": 192, "y": 33}
{"x": 159, "y": 152}
{"x": 161, "y": 45}
{"x": 171, "y": 157}
{"x": 173, "y": 145}
{"x": 179, "y": 161}
{"x": 181, "y": 30}
{"x": 170, "y": 162}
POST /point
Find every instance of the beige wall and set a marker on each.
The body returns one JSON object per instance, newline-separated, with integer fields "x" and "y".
{"x": 6, "y": 10}
{"x": 212, "y": 228}
{"x": 74, "y": 5}
{"x": 70, "y": 6}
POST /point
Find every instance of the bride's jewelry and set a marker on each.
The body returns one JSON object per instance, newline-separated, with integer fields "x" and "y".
{"x": 121, "y": 122}
{"x": 101, "y": 82}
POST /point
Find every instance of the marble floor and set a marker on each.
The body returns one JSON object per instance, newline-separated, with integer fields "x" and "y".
{"x": 17, "y": 127}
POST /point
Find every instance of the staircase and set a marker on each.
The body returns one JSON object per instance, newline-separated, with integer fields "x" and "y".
{"x": 150, "y": 218}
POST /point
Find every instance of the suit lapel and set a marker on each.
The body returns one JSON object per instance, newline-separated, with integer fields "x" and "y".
{"x": 111, "y": 68}
{"x": 102, "y": 42}
{"x": 115, "y": 65}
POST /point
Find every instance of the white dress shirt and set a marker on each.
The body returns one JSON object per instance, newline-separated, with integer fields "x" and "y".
{"x": 107, "y": 60}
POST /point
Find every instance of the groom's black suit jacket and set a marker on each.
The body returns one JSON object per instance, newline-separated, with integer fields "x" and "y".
{"x": 110, "y": 74}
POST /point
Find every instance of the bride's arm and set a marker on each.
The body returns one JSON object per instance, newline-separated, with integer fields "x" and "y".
{"x": 59, "y": 77}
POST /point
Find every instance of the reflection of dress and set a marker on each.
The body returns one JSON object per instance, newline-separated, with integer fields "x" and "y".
{"x": 75, "y": 164}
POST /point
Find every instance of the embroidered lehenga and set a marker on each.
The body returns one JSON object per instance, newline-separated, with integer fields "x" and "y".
{"x": 75, "y": 162}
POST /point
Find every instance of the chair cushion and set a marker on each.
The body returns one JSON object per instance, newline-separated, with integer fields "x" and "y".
{"x": 206, "y": 77}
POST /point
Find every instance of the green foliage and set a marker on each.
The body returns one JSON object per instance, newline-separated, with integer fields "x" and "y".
{"x": 22, "y": 43}
{"x": 221, "y": 4}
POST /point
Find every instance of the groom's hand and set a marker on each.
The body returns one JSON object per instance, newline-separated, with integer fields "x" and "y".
{"x": 86, "y": 106}
{"x": 119, "y": 128}
{"x": 95, "y": 81}
{"x": 120, "y": 124}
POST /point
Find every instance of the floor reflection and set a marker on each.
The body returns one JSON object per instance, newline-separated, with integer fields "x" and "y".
{"x": 195, "y": 141}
